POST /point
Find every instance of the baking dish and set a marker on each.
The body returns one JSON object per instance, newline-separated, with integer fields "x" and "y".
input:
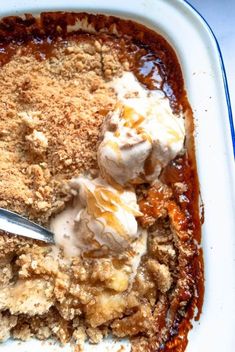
{"x": 204, "y": 79}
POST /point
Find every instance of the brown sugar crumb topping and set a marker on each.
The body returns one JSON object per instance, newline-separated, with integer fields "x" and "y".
{"x": 51, "y": 112}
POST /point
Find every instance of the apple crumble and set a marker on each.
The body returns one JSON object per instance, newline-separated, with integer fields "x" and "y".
{"x": 96, "y": 139}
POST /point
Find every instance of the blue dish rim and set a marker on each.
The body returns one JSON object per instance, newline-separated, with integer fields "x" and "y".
{"x": 225, "y": 80}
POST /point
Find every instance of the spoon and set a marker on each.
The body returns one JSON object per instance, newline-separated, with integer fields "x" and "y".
{"x": 18, "y": 225}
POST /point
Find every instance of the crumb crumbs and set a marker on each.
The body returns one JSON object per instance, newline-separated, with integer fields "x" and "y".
{"x": 50, "y": 123}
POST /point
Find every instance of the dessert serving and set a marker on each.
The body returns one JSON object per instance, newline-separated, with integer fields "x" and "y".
{"x": 96, "y": 138}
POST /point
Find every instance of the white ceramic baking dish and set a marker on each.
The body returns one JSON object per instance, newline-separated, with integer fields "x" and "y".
{"x": 206, "y": 85}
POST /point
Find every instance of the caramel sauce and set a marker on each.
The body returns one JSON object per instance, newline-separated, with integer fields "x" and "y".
{"x": 133, "y": 119}
{"x": 99, "y": 207}
{"x": 104, "y": 204}
{"x": 115, "y": 147}
{"x": 156, "y": 66}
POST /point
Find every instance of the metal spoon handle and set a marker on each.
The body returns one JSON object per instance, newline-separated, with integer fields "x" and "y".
{"x": 18, "y": 225}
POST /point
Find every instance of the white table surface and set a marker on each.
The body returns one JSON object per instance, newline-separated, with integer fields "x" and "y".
{"x": 220, "y": 14}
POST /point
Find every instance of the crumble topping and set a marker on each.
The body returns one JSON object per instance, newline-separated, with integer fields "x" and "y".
{"x": 51, "y": 112}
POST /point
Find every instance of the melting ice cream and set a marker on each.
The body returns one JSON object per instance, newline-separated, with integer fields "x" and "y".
{"x": 101, "y": 216}
{"x": 140, "y": 136}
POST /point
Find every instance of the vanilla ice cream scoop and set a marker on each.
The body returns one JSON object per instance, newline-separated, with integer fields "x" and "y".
{"x": 140, "y": 136}
{"x": 102, "y": 216}
{"x": 123, "y": 151}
